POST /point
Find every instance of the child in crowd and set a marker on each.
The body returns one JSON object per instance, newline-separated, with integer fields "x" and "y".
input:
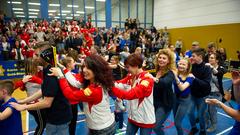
{"x": 10, "y": 118}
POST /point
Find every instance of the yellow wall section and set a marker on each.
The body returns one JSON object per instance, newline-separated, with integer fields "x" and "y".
{"x": 230, "y": 34}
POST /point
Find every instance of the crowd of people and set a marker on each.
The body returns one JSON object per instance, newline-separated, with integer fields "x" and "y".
{"x": 96, "y": 64}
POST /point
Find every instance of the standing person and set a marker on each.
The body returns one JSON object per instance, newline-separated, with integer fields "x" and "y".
{"x": 163, "y": 93}
{"x": 58, "y": 110}
{"x": 138, "y": 89}
{"x": 32, "y": 83}
{"x": 233, "y": 113}
{"x": 97, "y": 82}
{"x": 10, "y": 118}
{"x": 195, "y": 45}
{"x": 5, "y": 48}
{"x": 216, "y": 87}
{"x": 200, "y": 90}
{"x": 182, "y": 84}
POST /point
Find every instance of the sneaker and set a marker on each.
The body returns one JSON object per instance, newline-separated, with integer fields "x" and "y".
{"x": 193, "y": 131}
{"x": 212, "y": 128}
{"x": 202, "y": 133}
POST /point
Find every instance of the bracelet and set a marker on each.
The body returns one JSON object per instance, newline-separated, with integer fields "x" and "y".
{"x": 156, "y": 80}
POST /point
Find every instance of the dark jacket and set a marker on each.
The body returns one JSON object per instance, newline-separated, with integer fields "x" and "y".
{"x": 221, "y": 71}
{"x": 201, "y": 84}
{"x": 163, "y": 95}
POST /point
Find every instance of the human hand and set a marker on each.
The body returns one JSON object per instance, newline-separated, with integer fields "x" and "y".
{"x": 26, "y": 78}
{"x": 212, "y": 101}
{"x": 55, "y": 72}
{"x": 18, "y": 106}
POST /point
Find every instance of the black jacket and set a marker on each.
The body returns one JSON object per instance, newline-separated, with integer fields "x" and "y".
{"x": 201, "y": 84}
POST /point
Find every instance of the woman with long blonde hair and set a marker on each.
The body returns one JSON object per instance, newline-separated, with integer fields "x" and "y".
{"x": 162, "y": 93}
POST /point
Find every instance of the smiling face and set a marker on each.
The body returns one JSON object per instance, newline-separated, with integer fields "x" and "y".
{"x": 163, "y": 60}
{"x": 182, "y": 65}
{"x": 212, "y": 59}
{"x": 88, "y": 74}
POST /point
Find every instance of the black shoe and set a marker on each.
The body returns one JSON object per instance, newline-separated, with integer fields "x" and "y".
{"x": 193, "y": 131}
{"x": 202, "y": 133}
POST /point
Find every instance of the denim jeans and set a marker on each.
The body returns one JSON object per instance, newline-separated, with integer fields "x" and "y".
{"x": 161, "y": 114}
{"x": 201, "y": 106}
{"x": 106, "y": 131}
{"x": 180, "y": 109}
{"x": 212, "y": 109}
{"x": 57, "y": 129}
{"x": 132, "y": 130}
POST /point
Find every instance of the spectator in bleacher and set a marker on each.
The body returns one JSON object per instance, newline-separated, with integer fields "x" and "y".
{"x": 4, "y": 48}
{"x": 179, "y": 45}
{"x": 210, "y": 50}
{"x": 195, "y": 45}
{"x": 223, "y": 54}
{"x": 39, "y": 35}
{"x": 124, "y": 54}
{"x": 50, "y": 37}
{"x": 200, "y": 89}
{"x": 18, "y": 52}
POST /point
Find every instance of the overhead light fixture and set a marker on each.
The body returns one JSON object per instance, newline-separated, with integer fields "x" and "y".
{"x": 32, "y": 13}
{"x": 63, "y": 14}
{"x": 20, "y": 9}
{"x": 18, "y": 12}
{"x": 101, "y": 0}
{"x": 66, "y": 11}
{"x": 89, "y": 7}
{"x": 75, "y": 6}
{"x": 32, "y": 17}
{"x": 56, "y": 17}
{"x": 35, "y": 10}
{"x": 20, "y": 16}
{"x": 69, "y": 17}
{"x": 32, "y": 3}
{"x": 54, "y": 5}
{"x": 51, "y": 11}
{"x": 80, "y": 12}
{"x": 75, "y": 15}
{"x": 50, "y": 14}
{"x": 14, "y": 2}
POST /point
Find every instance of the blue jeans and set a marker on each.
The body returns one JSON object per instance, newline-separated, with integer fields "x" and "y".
{"x": 132, "y": 130}
{"x": 62, "y": 129}
{"x": 161, "y": 114}
{"x": 180, "y": 109}
{"x": 201, "y": 106}
{"x": 212, "y": 109}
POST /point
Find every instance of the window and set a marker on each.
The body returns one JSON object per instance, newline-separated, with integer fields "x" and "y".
{"x": 34, "y": 9}
{"x": 67, "y": 10}
{"x": 79, "y": 12}
{"x": 133, "y": 8}
{"x": 18, "y": 8}
{"x": 54, "y": 9}
{"x": 101, "y": 10}
{"x": 124, "y": 10}
{"x": 141, "y": 9}
{"x": 149, "y": 11}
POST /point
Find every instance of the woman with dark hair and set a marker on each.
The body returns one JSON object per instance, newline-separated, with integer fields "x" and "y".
{"x": 138, "y": 89}
{"x": 98, "y": 80}
{"x": 216, "y": 88}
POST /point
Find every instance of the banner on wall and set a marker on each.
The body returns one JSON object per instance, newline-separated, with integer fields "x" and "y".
{"x": 11, "y": 69}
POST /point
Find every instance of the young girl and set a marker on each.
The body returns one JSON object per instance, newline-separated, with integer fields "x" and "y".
{"x": 31, "y": 82}
{"x": 182, "y": 83}
{"x": 98, "y": 81}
